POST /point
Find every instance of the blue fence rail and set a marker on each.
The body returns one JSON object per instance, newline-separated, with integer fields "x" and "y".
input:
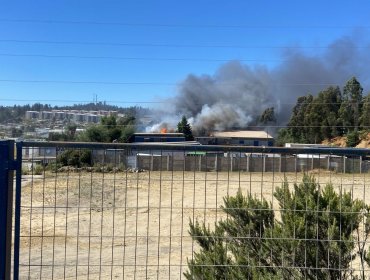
{"x": 122, "y": 211}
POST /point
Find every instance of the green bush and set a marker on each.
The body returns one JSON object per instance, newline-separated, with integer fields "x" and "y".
{"x": 53, "y": 166}
{"x": 38, "y": 169}
{"x": 35, "y": 169}
{"x": 75, "y": 158}
{"x": 353, "y": 138}
{"x": 25, "y": 170}
{"x": 100, "y": 167}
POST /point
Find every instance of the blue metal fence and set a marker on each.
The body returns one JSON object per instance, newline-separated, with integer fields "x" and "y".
{"x": 7, "y": 165}
{"x": 121, "y": 211}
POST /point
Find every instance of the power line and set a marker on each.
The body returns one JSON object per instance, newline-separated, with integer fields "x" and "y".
{"x": 141, "y": 83}
{"x": 135, "y": 58}
{"x": 172, "y": 25}
{"x": 161, "y": 45}
{"x": 86, "y": 82}
{"x": 80, "y": 101}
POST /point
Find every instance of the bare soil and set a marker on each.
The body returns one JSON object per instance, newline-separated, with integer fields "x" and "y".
{"x": 341, "y": 141}
{"x": 134, "y": 225}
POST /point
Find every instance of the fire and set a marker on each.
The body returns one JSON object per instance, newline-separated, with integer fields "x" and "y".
{"x": 164, "y": 130}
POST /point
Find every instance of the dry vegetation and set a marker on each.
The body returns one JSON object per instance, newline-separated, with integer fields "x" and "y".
{"x": 133, "y": 225}
{"x": 340, "y": 141}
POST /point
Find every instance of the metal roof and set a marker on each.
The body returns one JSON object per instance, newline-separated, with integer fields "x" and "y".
{"x": 243, "y": 134}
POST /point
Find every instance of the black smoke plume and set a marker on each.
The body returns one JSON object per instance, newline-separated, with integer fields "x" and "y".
{"x": 237, "y": 94}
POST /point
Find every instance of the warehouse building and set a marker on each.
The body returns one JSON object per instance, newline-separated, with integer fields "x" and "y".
{"x": 238, "y": 138}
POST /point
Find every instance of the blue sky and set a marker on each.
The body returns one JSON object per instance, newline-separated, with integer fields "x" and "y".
{"x": 136, "y": 52}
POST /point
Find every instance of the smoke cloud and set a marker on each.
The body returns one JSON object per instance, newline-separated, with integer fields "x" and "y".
{"x": 237, "y": 94}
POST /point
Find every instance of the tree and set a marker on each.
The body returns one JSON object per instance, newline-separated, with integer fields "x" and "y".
{"x": 297, "y": 124}
{"x": 127, "y": 124}
{"x": 284, "y": 136}
{"x": 268, "y": 116}
{"x": 316, "y": 118}
{"x": 95, "y": 133}
{"x": 110, "y": 130}
{"x": 76, "y": 158}
{"x": 16, "y": 132}
{"x": 55, "y": 136}
{"x": 316, "y": 236}
{"x": 365, "y": 114}
{"x": 328, "y": 104}
{"x": 184, "y": 127}
{"x": 350, "y": 109}
{"x": 321, "y": 116}
{"x": 71, "y": 130}
{"x": 68, "y": 135}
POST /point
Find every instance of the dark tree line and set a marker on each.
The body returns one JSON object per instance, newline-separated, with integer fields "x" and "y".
{"x": 133, "y": 110}
{"x": 17, "y": 113}
{"x": 329, "y": 114}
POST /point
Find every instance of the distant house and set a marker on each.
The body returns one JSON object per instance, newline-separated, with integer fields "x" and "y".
{"x": 238, "y": 138}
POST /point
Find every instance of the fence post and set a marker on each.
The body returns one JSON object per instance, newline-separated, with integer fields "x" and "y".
{"x": 295, "y": 163}
{"x": 17, "y": 210}
{"x": 7, "y": 165}
{"x": 200, "y": 163}
{"x": 312, "y": 162}
{"x": 280, "y": 161}
{"x": 231, "y": 162}
{"x": 216, "y": 159}
{"x": 248, "y": 163}
{"x": 344, "y": 164}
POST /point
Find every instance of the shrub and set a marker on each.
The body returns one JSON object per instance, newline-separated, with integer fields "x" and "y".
{"x": 75, "y": 158}
{"x": 313, "y": 237}
{"x": 34, "y": 169}
{"x": 353, "y": 138}
{"x": 38, "y": 169}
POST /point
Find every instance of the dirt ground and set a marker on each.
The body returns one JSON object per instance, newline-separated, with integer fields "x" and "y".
{"x": 340, "y": 141}
{"x": 133, "y": 225}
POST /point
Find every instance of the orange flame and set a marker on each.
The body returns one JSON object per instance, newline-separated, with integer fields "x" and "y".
{"x": 164, "y": 130}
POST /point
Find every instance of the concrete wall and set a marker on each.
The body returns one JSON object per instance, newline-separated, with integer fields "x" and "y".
{"x": 178, "y": 161}
{"x": 285, "y": 163}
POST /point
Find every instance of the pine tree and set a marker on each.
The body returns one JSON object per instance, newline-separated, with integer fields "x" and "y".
{"x": 268, "y": 116}
{"x": 184, "y": 127}
{"x": 350, "y": 109}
